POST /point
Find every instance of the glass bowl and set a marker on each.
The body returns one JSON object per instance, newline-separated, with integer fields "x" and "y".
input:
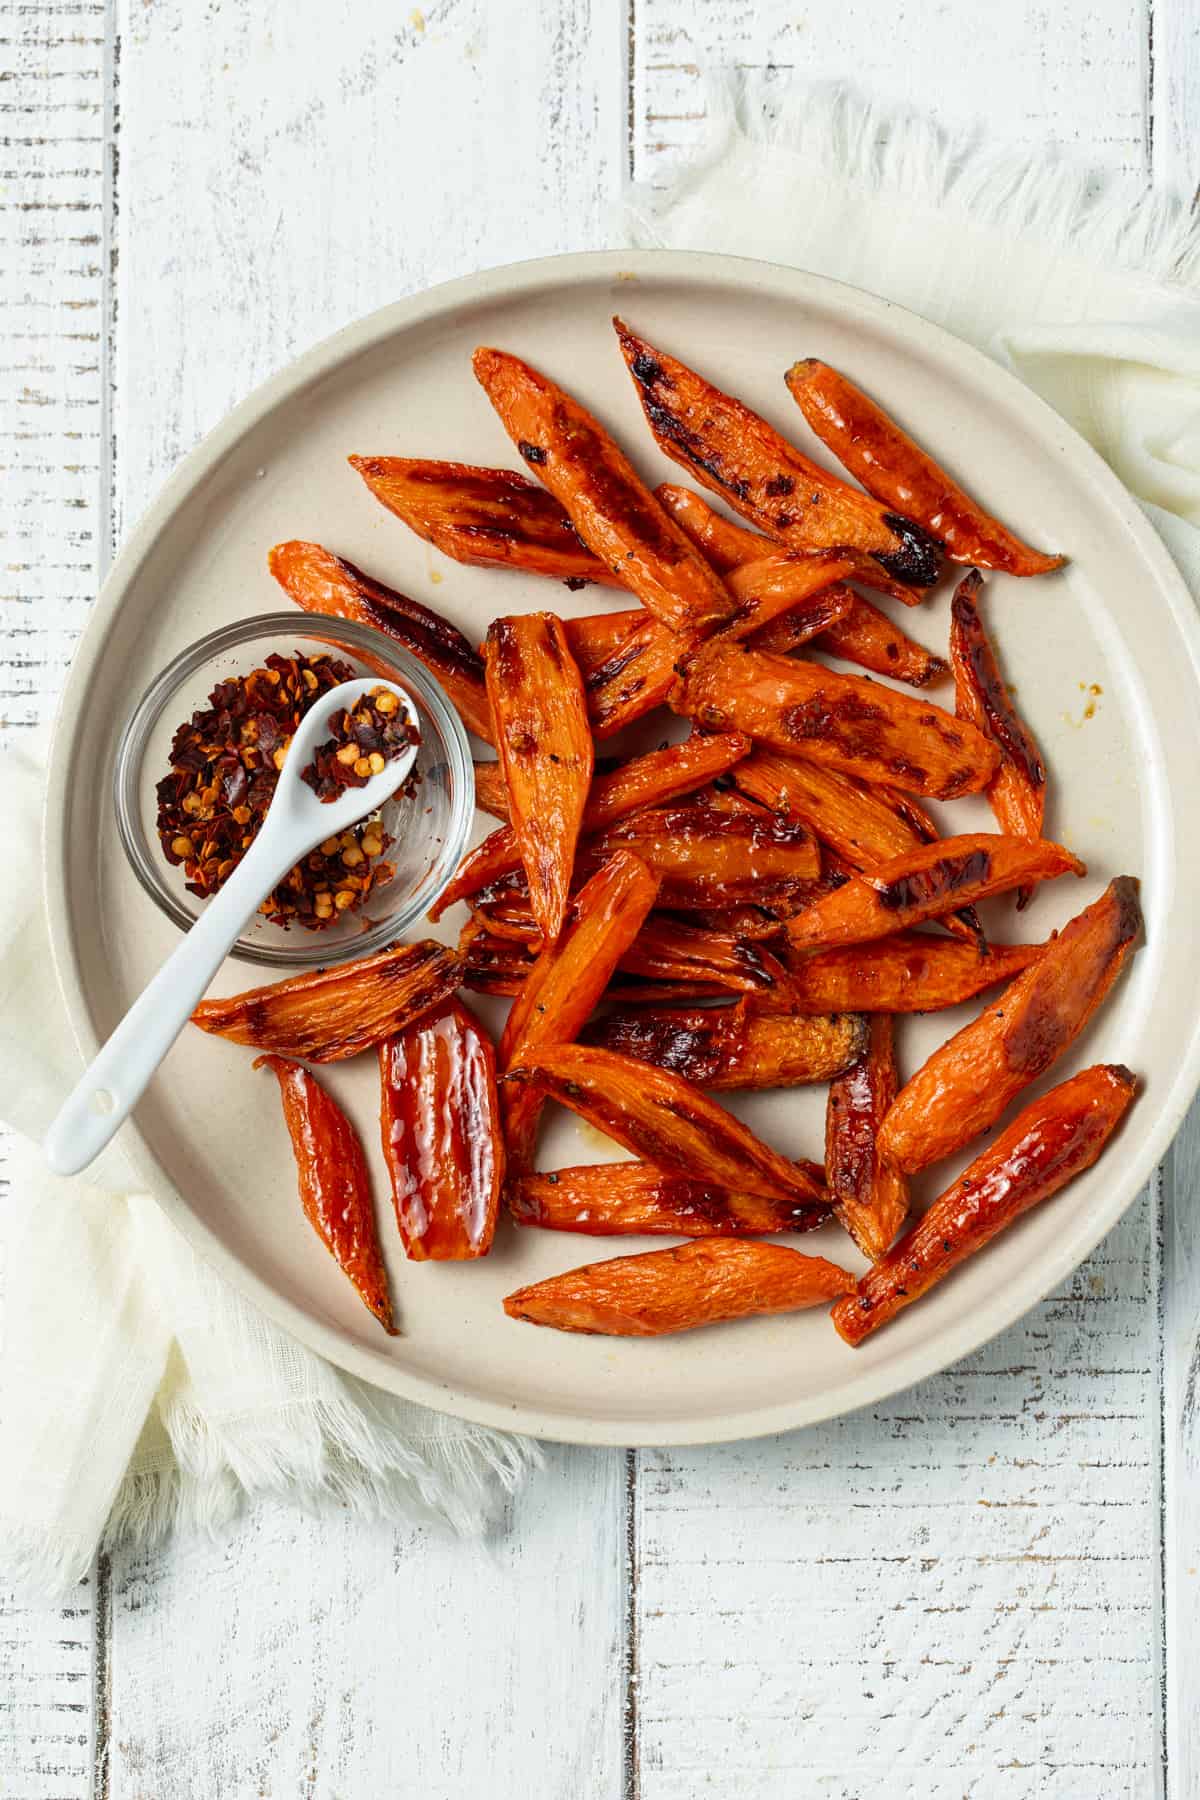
{"x": 428, "y": 822}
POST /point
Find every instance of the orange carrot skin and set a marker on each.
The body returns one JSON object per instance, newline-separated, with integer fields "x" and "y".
{"x": 609, "y": 505}
{"x": 546, "y": 751}
{"x": 736, "y": 454}
{"x": 866, "y": 636}
{"x": 634, "y": 1199}
{"x": 594, "y": 638}
{"x": 442, "y": 1141}
{"x": 334, "y": 1013}
{"x": 567, "y": 980}
{"x": 899, "y": 474}
{"x": 842, "y": 721}
{"x": 661, "y": 1291}
{"x": 482, "y": 516}
{"x": 912, "y": 971}
{"x": 870, "y": 1198}
{"x": 709, "y": 856}
{"x": 491, "y": 795}
{"x": 666, "y": 951}
{"x": 665, "y": 1119}
{"x": 1054, "y": 1139}
{"x": 728, "y": 1047}
{"x": 925, "y": 883}
{"x": 967, "y": 1083}
{"x": 1017, "y": 791}
{"x": 320, "y": 582}
{"x": 335, "y": 1189}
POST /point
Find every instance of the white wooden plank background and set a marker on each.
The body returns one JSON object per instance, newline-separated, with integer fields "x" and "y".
{"x": 986, "y": 1586}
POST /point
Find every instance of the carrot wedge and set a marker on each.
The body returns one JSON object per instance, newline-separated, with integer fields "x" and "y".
{"x": 866, "y": 636}
{"x": 661, "y": 1291}
{"x": 710, "y": 857}
{"x": 335, "y": 1013}
{"x": 869, "y": 1197}
{"x": 442, "y": 1140}
{"x": 842, "y": 721}
{"x": 870, "y": 444}
{"x": 664, "y": 1118}
{"x": 653, "y": 779}
{"x": 735, "y": 453}
{"x": 491, "y": 795}
{"x": 321, "y": 582}
{"x": 609, "y": 505}
{"x": 634, "y": 1199}
{"x": 482, "y": 516}
{"x": 1054, "y": 1139}
{"x": 594, "y": 639}
{"x": 1017, "y": 791}
{"x": 924, "y": 884}
{"x": 666, "y": 951}
{"x": 568, "y": 979}
{"x": 912, "y": 971}
{"x": 967, "y": 1083}
{"x": 725, "y": 1047}
{"x": 335, "y": 1189}
{"x": 546, "y": 752}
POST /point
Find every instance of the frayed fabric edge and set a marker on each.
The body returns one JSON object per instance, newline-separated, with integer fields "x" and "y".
{"x": 839, "y": 135}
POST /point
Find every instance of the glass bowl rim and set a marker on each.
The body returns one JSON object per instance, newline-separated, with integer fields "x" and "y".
{"x": 322, "y": 951}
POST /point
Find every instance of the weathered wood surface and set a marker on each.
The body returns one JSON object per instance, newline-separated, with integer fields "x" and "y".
{"x": 986, "y": 1586}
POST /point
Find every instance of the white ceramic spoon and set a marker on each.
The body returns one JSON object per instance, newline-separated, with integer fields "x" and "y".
{"x": 296, "y": 822}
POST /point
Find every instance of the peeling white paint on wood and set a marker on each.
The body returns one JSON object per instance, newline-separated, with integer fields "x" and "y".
{"x": 961, "y": 1591}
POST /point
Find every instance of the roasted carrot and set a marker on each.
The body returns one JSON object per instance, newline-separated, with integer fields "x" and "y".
{"x": 694, "y": 1284}
{"x": 869, "y": 1197}
{"x": 925, "y": 883}
{"x": 735, "y": 453}
{"x": 568, "y": 979}
{"x": 442, "y": 1139}
{"x": 634, "y": 1199}
{"x": 843, "y": 721}
{"x": 665, "y": 1119}
{"x": 724, "y": 1047}
{"x": 861, "y": 823}
{"x": 711, "y": 857}
{"x": 667, "y": 951}
{"x": 866, "y": 636}
{"x": 491, "y": 795}
{"x": 335, "y": 1189}
{"x": 653, "y": 779}
{"x": 609, "y": 505}
{"x": 912, "y": 971}
{"x": 1054, "y": 1139}
{"x": 1017, "y": 791}
{"x": 545, "y": 749}
{"x": 594, "y": 638}
{"x": 875, "y": 450}
{"x": 813, "y": 622}
{"x": 321, "y": 582}
{"x": 967, "y": 1083}
{"x": 487, "y": 516}
{"x": 335, "y": 1013}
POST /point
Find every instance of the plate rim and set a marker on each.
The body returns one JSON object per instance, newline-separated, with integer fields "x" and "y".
{"x": 509, "y": 281}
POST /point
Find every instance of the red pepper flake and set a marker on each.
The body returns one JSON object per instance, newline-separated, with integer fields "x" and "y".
{"x": 363, "y": 743}
{"x": 225, "y": 763}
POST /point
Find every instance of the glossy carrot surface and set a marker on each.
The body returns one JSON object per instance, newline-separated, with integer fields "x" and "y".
{"x": 870, "y": 1198}
{"x": 634, "y": 1199}
{"x": 911, "y": 971}
{"x": 725, "y": 1047}
{"x": 1017, "y": 791}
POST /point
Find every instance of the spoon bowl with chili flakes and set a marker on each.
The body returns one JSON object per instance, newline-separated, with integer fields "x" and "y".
{"x": 325, "y": 780}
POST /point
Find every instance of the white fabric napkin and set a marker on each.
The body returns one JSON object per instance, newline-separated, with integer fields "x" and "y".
{"x": 136, "y": 1389}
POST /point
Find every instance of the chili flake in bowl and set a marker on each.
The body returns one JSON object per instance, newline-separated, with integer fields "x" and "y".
{"x": 241, "y": 692}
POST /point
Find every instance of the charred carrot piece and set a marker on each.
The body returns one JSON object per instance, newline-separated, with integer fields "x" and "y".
{"x": 546, "y": 752}
{"x": 568, "y": 979}
{"x": 594, "y": 639}
{"x": 711, "y": 857}
{"x": 726, "y": 1047}
{"x": 491, "y": 795}
{"x": 335, "y": 1189}
{"x": 335, "y": 1013}
{"x": 634, "y": 1199}
{"x": 866, "y": 636}
{"x": 482, "y": 516}
{"x": 610, "y": 506}
{"x": 968, "y": 1082}
{"x": 869, "y": 1197}
{"x": 491, "y": 964}
{"x": 875, "y": 450}
{"x": 653, "y": 779}
{"x": 1017, "y": 791}
{"x": 664, "y": 1118}
{"x": 665, "y": 951}
{"x": 808, "y": 623}
{"x": 913, "y": 971}
{"x": 1054, "y": 1139}
{"x": 694, "y": 1284}
{"x": 842, "y": 721}
{"x": 442, "y": 1139}
{"x": 321, "y": 582}
{"x": 924, "y": 884}
{"x": 736, "y": 454}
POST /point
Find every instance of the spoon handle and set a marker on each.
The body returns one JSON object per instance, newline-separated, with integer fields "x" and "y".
{"x": 112, "y": 1085}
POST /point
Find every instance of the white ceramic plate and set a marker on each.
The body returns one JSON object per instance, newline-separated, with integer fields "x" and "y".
{"x": 1105, "y": 658}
